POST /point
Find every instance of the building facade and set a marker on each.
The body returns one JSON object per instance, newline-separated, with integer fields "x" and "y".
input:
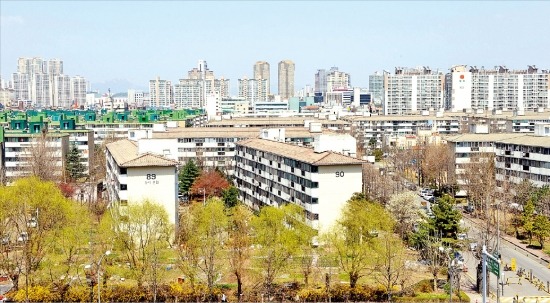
{"x": 499, "y": 88}
{"x": 286, "y": 79}
{"x": 411, "y": 91}
{"x": 262, "y": 72}
{"x": 274, "y": 173}
{"x": 253, "y": 90}
{"x": 160, "y": 92}
{"x": 133, "y": 177}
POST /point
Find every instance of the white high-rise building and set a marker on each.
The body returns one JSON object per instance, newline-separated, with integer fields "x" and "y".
{"x": 21, "y": 85}
{"x": 410, "y": 91}
{"x": 54, "y": 67}
{"x": 135, "y": 97}
{"x": 337, "y": 80}
{"x": 253, "y": 90}
{"x": 62, "y": 91}
{"x": 160, "y": 92}
{"x": 498, "y": 88}
{"x": 376, "y": 87}
{"x": 78, "y": 90}
{"x": 188, "y": 93}
{"x": 41, "y": 90}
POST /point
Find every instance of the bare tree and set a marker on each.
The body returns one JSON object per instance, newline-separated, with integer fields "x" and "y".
{"x": 391, "y": 258}
{"x": 404, "y": 210}
{"x": 43, "y": 157}
{"x": 438, "y": 165}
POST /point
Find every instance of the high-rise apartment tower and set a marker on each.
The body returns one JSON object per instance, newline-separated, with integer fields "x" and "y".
{"x": 286, "y": 79}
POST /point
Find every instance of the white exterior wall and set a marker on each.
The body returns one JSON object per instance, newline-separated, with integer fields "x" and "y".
{"x": 332, "y": 199}
{"x": 162, "y": 190}
{"x": 461, "y": 97}
{"x": 414, "y": 93}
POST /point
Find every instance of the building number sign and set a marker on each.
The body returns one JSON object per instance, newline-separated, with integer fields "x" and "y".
{"x": 151, "y": 179}
{"x": 339, "y": 174}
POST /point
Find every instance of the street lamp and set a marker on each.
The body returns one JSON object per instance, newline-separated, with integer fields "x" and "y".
{"x": 99, "y": 275}
{"x": 451, "y": 272}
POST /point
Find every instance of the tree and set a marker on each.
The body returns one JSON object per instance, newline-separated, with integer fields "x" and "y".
{"x": 351, "y": 240}
{"x": 187, "y": 176}
{"x": 277, "y": 241}
{"x": 32, "y": 211}
{"x": 541, "y": 229}
{"x": 211, "y": 236}
{"x": 438, "y": 165}
{"x": 73, "y": 164}
{"x": 404, "y": 210}
{"x": 210, "y": 184}
{"x": 391, "y": 258}
{"x": 428, "y": 244}
{"x": 230, "y": 196}
{"x": 139, "y": 230}
{"x": 202, "y": 240}
{"x": 446, "y": 219}
{"x": 528, "y": 219}
{"x": 44, "y": 159}
{"x": 68, "y": 244}
{"x": 479, "y": 180}
{"x": 239, "y": 241}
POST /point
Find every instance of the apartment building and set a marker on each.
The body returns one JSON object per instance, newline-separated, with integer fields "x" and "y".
{"x": 253, "y": 90}
{"x": 371, "y": 127}
{"x": 78, "y": 90}
{"x": 133, "y": 177}
{"x": 499, "y": 88}
{"x": 44, "y": 84}
{"x": 160, "y": 92}
{"x": 214, "y": 147}
{"x": 268, "y": 121}
{"x": 376, "y": 87}
{"x": 286, "y": 79}
{"x": 262, "y": 72}
{"x": 274, "y": 173}
{"x": 24, "y": 148}
{"x": 524, "y": 157}
{"x": 411, "y": 91}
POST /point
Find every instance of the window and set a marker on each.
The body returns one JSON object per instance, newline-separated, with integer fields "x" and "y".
{"x": 123, "y": 171}
{"x": 123, "y": 186}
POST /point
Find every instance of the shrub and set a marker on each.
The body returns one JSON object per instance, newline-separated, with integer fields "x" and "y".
{"x": 78, "y": 293}
{"x": 35, "y": 294}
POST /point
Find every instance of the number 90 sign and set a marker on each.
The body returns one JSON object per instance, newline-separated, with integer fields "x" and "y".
{"x": 339, "y": 174}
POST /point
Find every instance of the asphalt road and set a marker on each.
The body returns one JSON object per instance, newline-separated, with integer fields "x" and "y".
{"x": 523, "y": 260}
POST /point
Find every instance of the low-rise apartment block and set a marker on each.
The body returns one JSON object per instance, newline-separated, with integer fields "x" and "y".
{"x": 273, "y": 173}
{"x": 133, "y": 177}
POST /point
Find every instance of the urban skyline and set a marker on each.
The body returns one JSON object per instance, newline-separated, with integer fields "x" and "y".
{"x": 370, "y": 36}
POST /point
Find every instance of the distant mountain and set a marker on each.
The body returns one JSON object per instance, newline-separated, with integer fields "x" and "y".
{"x": 117, "y": 86}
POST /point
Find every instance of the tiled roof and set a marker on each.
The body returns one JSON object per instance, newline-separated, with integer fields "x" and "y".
{"x": 125, "y": 154}
{"x": 510, "y": 138}
{"x": 231, "y": 132}
{"x": 528, "y": 140}
{"x": 273, "y": 121}
{"x": 304, "y": 154}
{"x": 482, "y": 137}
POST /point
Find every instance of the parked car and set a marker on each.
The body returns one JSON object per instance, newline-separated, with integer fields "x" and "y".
{"x": 429, "y": 197}
{"x": 468, "y": 209}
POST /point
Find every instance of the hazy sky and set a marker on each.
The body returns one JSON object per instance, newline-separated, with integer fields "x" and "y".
{"x": 139, "y": 40}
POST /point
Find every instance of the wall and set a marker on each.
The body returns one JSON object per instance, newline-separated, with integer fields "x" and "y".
{"x": 335, "y": 189}
{"x": 157, "y": 184}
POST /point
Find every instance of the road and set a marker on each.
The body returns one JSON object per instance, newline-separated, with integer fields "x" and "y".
{"x": 523, "y": 260}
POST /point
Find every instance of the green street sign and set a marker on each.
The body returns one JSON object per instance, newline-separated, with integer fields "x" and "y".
{"x": 494, "y": 266}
